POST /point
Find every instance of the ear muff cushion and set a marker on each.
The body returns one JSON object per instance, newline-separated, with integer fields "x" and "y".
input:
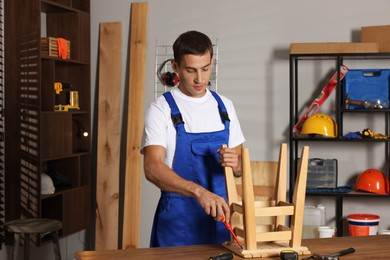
{"x": 170, "y": 78}
{"x": 175, "y": 78}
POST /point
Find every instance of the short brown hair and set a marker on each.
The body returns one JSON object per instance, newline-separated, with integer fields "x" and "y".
{"x": 192, "y": 42}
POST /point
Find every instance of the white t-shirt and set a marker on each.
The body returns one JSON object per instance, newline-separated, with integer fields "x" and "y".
{"x": 199, "y": 115}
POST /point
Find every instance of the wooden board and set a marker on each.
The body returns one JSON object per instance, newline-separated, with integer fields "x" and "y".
{"x": 108, "y": 140}
{"x": 135, "y": 119}
{"x": 333, "y": 47}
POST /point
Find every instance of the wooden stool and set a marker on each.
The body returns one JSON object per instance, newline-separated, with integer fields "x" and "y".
{"x": 33, "y": 226}
{"x": 261, "y": 224}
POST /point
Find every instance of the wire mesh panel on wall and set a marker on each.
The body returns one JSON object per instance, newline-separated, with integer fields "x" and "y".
{"x": 165, "y": 53}
{"x": 2, "y": 135}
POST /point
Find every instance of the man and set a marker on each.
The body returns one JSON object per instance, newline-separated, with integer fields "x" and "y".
{"x": 183, "y": 155}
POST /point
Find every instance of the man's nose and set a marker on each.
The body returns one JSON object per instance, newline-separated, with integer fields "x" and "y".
{"x": 198, "y": 77}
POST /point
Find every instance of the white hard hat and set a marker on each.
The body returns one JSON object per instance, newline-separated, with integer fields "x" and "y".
{"x": 47, "y": 186}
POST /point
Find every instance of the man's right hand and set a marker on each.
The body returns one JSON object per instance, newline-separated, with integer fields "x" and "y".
{"x": 157, "y": 172}
{"x": 213, "y": 205}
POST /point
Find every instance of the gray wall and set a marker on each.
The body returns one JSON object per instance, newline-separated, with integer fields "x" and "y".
{"x": 253, "y": 41}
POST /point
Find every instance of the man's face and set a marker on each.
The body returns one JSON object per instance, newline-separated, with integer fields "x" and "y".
{"x": 194, "y": 74}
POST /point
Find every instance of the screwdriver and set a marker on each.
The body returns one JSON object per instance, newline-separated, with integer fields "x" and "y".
{"x": 223, "y": 256}
{"x": 229, "y": 227}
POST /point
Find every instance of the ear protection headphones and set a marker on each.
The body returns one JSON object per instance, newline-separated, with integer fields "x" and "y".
{"x": 167, "y": 78}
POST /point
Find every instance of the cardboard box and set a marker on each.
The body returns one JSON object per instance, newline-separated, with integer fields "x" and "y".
{"x": 333, "y": 47}
{"x": 379, "y": 34}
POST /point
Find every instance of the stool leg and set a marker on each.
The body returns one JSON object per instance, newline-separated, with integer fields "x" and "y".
{"x": 56, "y": 245}
{"x": 26, "y": 246}
{"x": 15, "y": 248}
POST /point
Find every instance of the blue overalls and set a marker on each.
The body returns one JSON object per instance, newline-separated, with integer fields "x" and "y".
{"x": 180, "y": 220}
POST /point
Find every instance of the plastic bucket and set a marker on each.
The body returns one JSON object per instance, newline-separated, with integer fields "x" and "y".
{"x": 325, "y": 231}
{"x": 363, "y": 224}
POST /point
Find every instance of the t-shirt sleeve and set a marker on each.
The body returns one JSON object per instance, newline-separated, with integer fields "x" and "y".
{"x": 236, "y": 135}
{"x": 155, "y": 129}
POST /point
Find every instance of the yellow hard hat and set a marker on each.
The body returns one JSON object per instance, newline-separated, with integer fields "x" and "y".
{"x": 320, "y": 124}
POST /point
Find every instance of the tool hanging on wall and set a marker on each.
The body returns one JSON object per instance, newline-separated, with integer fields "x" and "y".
{"x": 320, "y": 99}
{"x": 168, "y": 78}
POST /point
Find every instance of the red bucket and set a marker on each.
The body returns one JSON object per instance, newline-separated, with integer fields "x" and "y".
{"x": 363, "y": 224}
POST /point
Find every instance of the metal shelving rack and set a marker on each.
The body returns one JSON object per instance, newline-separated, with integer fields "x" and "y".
{"x": 339, "y": 59}
{"x": 165, "y": 52}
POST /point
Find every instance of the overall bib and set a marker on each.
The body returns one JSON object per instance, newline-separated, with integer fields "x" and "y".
{"x": 180, "y": 220}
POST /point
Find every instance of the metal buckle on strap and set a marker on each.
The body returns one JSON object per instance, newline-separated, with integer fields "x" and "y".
{"x": 224, "y": 115}
{"x": 177, "y": 119}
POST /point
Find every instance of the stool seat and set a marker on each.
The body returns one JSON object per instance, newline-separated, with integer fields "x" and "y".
{"x": 33, "y": 226}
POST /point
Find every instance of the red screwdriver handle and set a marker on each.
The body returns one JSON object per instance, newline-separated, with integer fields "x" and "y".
{"x": 229, "y": 227}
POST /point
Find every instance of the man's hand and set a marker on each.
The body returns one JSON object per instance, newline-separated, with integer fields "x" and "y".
{"x": 157, "y": 172}
{"x": 213, "y": 205}
{"x": 231, "y": 157}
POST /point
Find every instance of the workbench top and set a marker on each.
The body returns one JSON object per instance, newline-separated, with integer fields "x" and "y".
{"x": 371, "y": 247}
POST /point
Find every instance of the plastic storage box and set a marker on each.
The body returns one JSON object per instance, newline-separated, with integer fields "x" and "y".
{"x": 369, "y": 85}
{"x": 322, "y": 174}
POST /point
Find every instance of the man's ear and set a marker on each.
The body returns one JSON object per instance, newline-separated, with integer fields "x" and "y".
{"x": 175, "y": 66}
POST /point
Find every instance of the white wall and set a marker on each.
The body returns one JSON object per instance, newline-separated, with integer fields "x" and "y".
{"x": 253, "y": 41}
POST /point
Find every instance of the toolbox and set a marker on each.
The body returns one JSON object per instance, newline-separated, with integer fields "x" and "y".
{"x": 368, "y": 85}
{"x": 322, "y": 173}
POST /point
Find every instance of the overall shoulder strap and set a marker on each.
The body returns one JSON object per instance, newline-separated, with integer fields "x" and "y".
{"x": 175, "y": 112}
{"x": 222, "y": 109}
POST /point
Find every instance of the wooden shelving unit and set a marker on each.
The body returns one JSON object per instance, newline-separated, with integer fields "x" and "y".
{"x": 39, "y": 139}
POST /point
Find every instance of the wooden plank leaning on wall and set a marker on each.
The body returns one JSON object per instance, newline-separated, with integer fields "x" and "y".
{"x": 108, "y": 146}
{"x": 135, "y": 119}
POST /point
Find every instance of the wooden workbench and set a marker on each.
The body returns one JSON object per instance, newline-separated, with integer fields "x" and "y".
{"x": 372, "y": 247}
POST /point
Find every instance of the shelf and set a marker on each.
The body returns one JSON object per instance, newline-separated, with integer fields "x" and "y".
{"x": 367, "y": 140}
{"x": 364, "y": 110}
{"x": 73, "y": 112}
{"x": 54, "y": 7}
{"x": 341, "y": 117}
{"x": 62, "y": 191}
{"x": 348, "y": 194}
{"x": 73, "y": 155}
{"x": 39, "y": 139}
{"x": 60, "y": 60}
{"x": 332, "y": 56}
